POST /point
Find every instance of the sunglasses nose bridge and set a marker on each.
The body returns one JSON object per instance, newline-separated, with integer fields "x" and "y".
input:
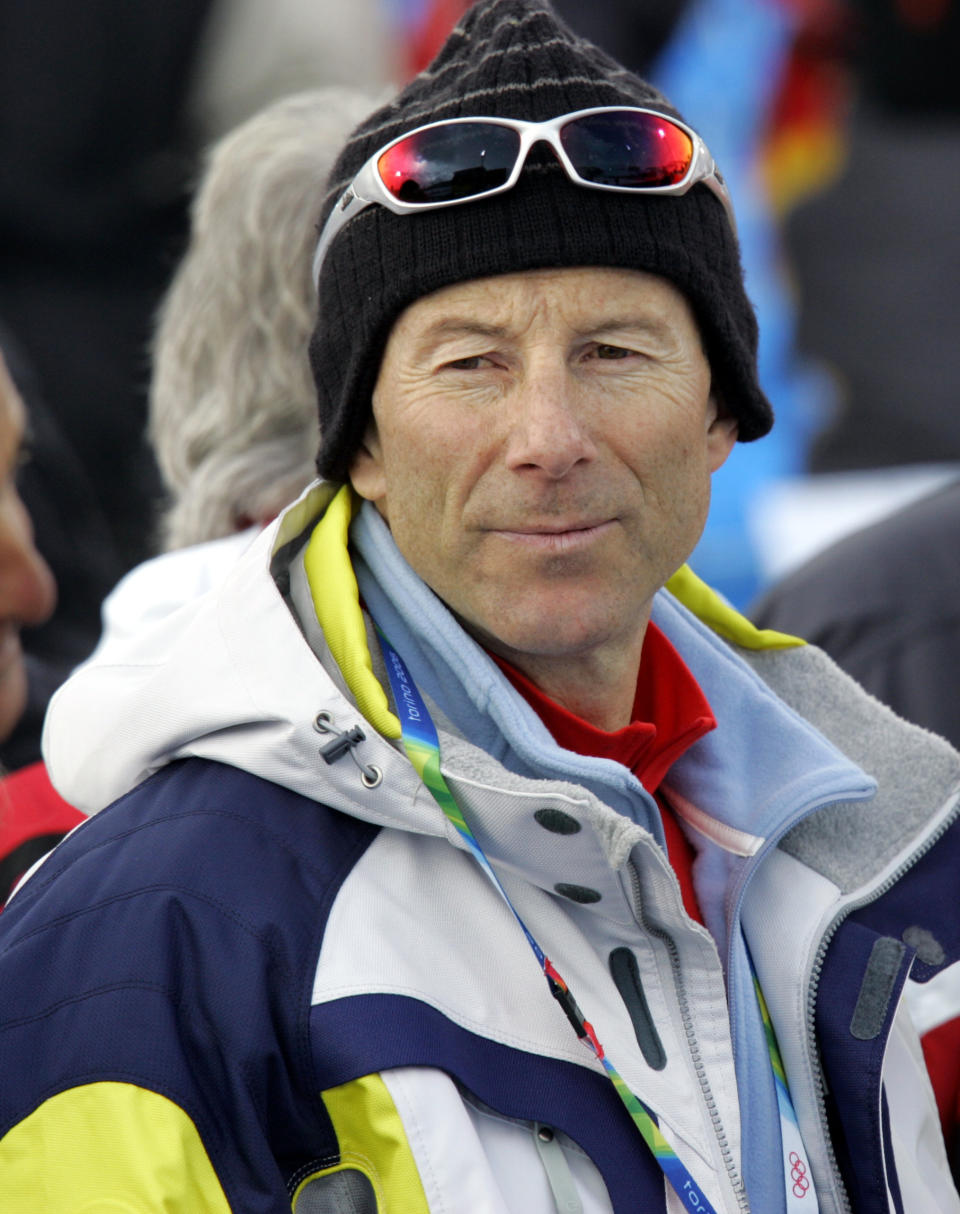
{"x": 531, "y": 139}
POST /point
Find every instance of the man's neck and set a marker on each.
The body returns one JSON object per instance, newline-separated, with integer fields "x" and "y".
{"x": 599, "y": 687}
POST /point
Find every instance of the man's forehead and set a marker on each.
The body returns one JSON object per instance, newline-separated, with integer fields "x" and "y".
{"x": 581, "y": 297}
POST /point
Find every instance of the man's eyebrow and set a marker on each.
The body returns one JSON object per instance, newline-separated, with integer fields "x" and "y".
{"x": 623, "y": 324}
{"x": 458, "y": 326}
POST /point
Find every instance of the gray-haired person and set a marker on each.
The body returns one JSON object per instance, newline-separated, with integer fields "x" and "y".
{"x": 232, "y": 406}
{"x": 462, "y": 851}
{"x": 233, "y": 415}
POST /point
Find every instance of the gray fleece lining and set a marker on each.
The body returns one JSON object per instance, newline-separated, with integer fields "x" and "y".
{"x": 850, "y": 842}
{"x": 617, "y": 833}
{"x": 336, "y": 1193}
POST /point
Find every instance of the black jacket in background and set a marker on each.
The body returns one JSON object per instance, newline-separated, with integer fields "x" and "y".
{"x": 885, "y": 604}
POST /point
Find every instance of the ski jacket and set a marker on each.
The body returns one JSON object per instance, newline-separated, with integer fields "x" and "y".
{"x": 271, "y": 974}
{"x": 33, "y": 817}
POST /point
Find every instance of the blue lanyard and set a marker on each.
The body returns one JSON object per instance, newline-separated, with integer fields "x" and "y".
{"x": 422, "y": 746}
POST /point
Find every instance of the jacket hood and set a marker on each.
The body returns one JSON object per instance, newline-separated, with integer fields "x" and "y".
{"x": 228, "y": 676}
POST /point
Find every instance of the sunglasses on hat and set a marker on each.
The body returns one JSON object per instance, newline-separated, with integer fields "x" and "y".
{"x": 620, "y": 148}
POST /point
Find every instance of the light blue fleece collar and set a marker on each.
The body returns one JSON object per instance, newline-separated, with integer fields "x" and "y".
{"x": 761, "y": 768}
{"x": 466, "y": 684}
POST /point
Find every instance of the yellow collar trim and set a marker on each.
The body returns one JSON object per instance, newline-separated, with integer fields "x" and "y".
{"x": 336, "y": 600}
{"x": 714, "y": 611}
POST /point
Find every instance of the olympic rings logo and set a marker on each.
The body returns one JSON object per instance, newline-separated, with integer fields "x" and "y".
{"x": 798, "y": 1174}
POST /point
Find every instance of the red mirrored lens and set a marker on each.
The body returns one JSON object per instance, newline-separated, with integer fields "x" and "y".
{"x": 633, "y": 151}
{"x": 449, "y": 163}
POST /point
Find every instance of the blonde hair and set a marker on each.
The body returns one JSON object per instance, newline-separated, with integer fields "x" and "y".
{"x": 233, "y": 409}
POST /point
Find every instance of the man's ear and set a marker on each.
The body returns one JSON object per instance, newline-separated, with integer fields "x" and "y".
{"x": 721, "y": 433}
{"x": 366, "y": 468}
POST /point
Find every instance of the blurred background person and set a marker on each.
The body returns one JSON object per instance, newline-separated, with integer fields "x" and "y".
{"x": 232, "y": 404}
{"x": 233, "y": 409}
{"x": 72, "y": 534}
{"x": 876, "y": 253}
{"x": 95, "y": 156}
{"x": 105, "y": 108}
{"x": 27, "y": 588}
{"x": 866, "y": 154}
{"x": 233, "y": 413}
{"x": 32, "y": 816}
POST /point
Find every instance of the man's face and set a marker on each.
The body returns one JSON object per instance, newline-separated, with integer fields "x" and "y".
{"x": 27, "y": 591}
{"x": 541, "y": 447}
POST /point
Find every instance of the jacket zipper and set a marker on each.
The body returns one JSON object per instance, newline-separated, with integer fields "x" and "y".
{"x": 733, "y": 1175}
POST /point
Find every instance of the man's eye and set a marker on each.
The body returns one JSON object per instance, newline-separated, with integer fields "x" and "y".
{"x": 472, "y": 363}
{"x": 613, "y": 352}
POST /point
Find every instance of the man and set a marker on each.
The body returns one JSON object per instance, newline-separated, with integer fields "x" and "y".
{"x": 32, "y": 816}
{"x": 456, "y": 864}
{"x": 75, "y": 540}
{"x": 27, "y": 591}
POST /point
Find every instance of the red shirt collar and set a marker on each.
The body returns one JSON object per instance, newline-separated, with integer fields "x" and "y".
{"x": 670, "y": 713}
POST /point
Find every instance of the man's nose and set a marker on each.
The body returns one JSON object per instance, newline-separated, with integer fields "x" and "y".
{"x": 28, "y": 592}
{"x": 548, "y": 426}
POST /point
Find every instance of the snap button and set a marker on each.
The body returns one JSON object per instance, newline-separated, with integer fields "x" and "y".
{"x": 545, "y": 1134}
{"x": 578, "y": 893}
{"x": 557, "y": 821}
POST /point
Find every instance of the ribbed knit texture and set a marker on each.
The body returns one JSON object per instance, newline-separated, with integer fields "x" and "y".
{"x": 516, "y": 59}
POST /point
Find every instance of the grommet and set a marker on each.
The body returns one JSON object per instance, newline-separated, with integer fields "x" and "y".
{"x": 371, "y": 776}
{"x": 321, "y": 722}
{"x": 578, "y": 893}
{"x": 556, "y": 821}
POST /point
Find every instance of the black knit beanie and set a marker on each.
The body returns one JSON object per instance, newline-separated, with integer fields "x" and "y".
{"x": 516, "y": 59}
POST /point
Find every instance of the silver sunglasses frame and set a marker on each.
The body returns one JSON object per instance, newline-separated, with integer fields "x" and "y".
{"x": 368, "y": 189}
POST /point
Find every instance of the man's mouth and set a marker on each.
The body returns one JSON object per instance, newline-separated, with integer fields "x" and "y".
{"x": 557, "y": 536}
